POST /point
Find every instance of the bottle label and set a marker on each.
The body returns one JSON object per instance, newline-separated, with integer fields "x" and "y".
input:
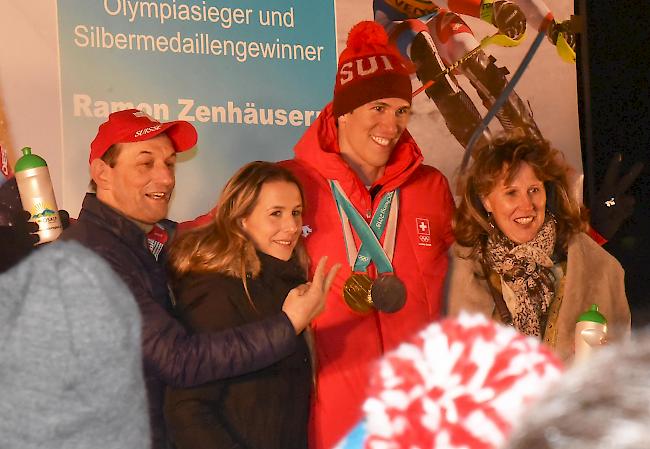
{"x": 45, "y": 215}
{"x": 43, "y": 211}
{"x": 4, "y": 166}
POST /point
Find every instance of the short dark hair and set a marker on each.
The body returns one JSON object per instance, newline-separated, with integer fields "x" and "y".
{"x": 110, "y": 157}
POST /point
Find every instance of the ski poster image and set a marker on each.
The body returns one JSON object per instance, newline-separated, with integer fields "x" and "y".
{"x": 444, "y": 116}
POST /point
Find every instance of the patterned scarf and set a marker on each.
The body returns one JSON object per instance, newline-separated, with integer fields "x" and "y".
{"x": 527, "y": 270}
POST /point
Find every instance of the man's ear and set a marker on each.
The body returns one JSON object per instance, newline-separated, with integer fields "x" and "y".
{"x": 101, "y": 173}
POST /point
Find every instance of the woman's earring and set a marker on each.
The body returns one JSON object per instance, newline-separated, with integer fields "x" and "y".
{"x": 551, "y": 215}
{"x": 490, "y": 220}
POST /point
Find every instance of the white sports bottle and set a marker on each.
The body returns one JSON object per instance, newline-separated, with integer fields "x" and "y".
{"x": 37, "y": 195}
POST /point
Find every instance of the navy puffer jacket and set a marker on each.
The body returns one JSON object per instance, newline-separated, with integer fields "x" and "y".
{"x": 172, "y": 355}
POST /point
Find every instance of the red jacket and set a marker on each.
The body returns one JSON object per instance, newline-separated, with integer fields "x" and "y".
{"x": 347, "y": 343}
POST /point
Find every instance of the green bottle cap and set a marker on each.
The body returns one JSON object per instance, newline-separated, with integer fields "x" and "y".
{"x": 592, "y": 315}
{"x": 29, "y": 161}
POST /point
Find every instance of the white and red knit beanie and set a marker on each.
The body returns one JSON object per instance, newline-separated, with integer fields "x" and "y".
{"x": 460, "y": 383}
{"x": 369, "y": 69}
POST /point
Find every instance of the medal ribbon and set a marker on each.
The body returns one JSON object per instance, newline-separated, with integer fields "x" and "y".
{"x": 384, "y": 219}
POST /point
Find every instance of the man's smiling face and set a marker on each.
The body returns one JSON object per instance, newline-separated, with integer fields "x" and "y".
{"x": 140, "y": 182}
{"x": 368, "y": 134}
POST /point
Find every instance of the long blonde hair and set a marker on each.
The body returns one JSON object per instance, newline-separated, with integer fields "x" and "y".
{"x": 222, "y": 246}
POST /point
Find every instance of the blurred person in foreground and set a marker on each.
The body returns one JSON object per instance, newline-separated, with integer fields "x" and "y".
{"x": 603, "y": 403}
{"x": 521, "y": 256}
{"x": 70, "y": 359}
{"x": 460, "y": 383}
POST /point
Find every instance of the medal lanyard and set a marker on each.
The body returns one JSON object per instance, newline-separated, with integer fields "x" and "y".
{"x": 384, "y": 219}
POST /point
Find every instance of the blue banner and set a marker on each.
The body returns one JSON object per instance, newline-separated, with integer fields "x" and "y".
{"x": 250, "y": 75}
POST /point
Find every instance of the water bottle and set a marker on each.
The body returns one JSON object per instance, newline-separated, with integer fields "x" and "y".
{"x": 37, "y": 195}
{"x": 591, "y": 332}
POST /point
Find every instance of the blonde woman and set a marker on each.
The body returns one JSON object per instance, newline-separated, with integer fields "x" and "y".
{"x": 238, "y": 269}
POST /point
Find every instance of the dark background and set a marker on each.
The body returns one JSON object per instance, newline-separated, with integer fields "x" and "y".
{"x": 613, "y": 72}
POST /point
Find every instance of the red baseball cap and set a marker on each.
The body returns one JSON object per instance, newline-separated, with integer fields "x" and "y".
{"x": 133, "y": 125}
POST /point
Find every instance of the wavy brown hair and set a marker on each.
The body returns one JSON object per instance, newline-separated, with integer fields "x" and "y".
{"x": 222, "y": 246}
{"x": 502, "y": 157}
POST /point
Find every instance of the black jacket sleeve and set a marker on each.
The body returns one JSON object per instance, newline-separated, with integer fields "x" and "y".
{"x": 16, "y": 240}
{"x": 183, "y": 359}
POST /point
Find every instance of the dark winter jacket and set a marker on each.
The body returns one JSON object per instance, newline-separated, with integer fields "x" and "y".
{"x": 171, "y": 354}
{"x": 267, "y": 409}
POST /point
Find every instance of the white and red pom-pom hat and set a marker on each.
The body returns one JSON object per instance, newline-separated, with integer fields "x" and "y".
{"x": 461, "y": 383}
{"x": 133, "y": 125}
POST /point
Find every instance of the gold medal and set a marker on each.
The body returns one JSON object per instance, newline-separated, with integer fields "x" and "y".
{"x": 388, "y": 293}
{"x": 356, "y": 292}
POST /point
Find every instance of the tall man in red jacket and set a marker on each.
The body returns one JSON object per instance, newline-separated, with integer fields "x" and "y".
{"x": 358, "y": 165}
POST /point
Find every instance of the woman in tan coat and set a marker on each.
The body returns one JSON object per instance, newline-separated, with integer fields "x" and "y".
{"x": 521, "y": 256}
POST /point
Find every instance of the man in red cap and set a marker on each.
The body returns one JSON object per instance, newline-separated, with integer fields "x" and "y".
{"x": 374, "y": 207}
{"x": 132, "y": 163}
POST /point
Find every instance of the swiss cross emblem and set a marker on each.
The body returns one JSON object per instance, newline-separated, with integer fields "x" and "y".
{"x": 424, "y": 231}
{"x": 423, "y": 226}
